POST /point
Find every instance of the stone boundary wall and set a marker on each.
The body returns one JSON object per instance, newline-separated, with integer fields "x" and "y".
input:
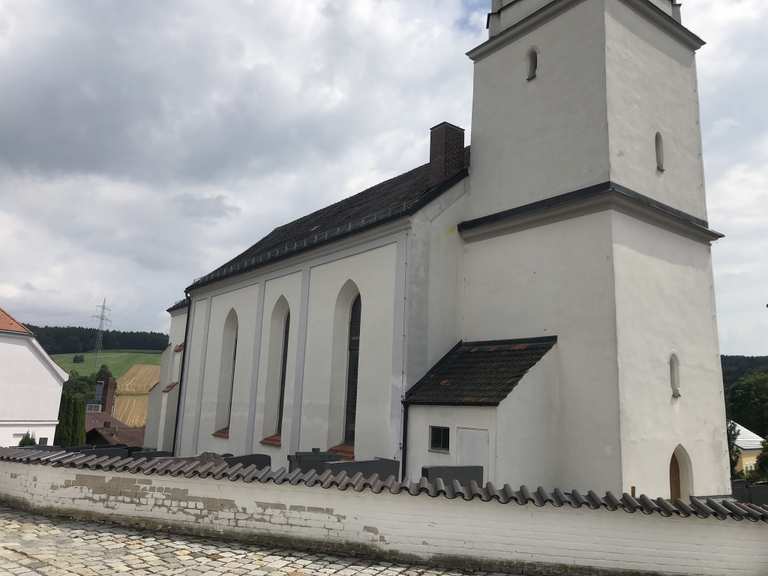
{"x": 458, "y": 533}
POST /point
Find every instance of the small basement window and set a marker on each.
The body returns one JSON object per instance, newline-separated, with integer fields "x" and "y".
{"x": 659, "y": 144}
{"x": 439, "y": 438}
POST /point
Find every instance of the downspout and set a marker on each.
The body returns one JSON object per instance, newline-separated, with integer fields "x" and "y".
{"x": 405, "y": 439}
{"x": 181, "y": 372}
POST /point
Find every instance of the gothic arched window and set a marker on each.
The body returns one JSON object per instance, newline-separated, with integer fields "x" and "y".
{"x": 353, "y": 359}
{"x": 226, "y": 375}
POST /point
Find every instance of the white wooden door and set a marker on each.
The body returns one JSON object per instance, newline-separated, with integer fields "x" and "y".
{"x": 472, "y": 447}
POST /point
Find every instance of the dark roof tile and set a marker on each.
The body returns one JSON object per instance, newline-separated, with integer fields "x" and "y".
{"x": 479, "y": 373}
{"x": 389, "y": 200}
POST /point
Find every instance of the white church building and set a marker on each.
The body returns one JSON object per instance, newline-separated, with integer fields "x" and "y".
{"x": 541, "y": 305}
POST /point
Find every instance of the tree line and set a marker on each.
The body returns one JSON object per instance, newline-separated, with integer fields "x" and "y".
{"x": 76, "y": 339}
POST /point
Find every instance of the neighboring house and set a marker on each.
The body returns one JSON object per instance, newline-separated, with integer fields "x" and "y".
{"x": 542, "y": 307}
{"x": 132, "y": 394}
{"x": 104, "y": 430}
{"x": 750, "y": 445}
{"x": 30, "y": 386}
{"x": 163, "y": 399}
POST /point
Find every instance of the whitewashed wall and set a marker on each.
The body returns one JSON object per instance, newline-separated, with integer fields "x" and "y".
{"x": 517, "y": 538}
{"x": 420, "y": 418}
{"x": 522, "y": 129}
{"x": 664, "y": 305}
{"x": 652, "y": 87}
{"x": 289, "y": 288}
{"x": 30, "y": 388}
{"x": 375, "y": 274}
{"x": 557, "y": 280}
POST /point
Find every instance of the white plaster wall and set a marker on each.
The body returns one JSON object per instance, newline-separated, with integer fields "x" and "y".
{"x": 11, "y": 433}
{"x": 652, "y": 87}
{"x": 529, "y": 447}
{"x": 288, "y": 287}
{"x": 521, "y": 129}
{"x": 30, "y": 388}
{"x": 480, "y": 531}
{"x": 664, "y": 305}
{"x": 433, "y": 281}
{"x": 244, "y": 302}
{"x": 374, "y": 272}
{"x": 557, "y": 279}
{"x": 194, "y": 358}
{"x": 420, "y": 418}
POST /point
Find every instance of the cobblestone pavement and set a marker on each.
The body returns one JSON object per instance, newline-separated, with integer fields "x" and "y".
{"x": 32, "y": 545}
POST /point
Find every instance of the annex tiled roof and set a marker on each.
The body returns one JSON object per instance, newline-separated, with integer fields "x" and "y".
{"x": 394, "y": 198}
{"x": 479, "y": 373}
{"x": 702, "y": 508}
{"x": 9, "y": 324}
{"x": 112, "y": 430}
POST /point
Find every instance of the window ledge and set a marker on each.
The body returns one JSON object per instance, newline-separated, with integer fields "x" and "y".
{"x": 223, "y": 433}
{"x": 436, "y": 451}
{"x": 274, "y": 440}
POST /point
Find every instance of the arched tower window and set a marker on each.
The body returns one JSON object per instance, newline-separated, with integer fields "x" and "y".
{"x": 659, "y": 143}
{"x": 353, "y": 359}
{"x": 533, "y": 63}
{"x": 226, "y": 375}
{"x": 277, "y": 369}
{"x": 674, "y": 375}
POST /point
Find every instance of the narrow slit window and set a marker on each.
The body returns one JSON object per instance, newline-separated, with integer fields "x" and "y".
{"x": 674, "y": 375}
{"x": 659, "y": 142}
{"x": 533, "y": 64}
{"x": 439, "y": 438}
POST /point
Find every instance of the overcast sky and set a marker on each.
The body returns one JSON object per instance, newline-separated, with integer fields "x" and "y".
{"x": 144, "y": 143}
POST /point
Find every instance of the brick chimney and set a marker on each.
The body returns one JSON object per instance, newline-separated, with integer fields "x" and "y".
{"x": 446, "y": 152}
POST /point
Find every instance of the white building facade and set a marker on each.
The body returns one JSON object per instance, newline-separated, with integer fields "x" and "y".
{"x": 571, "y": 246}
{"x": 30, "y": 386}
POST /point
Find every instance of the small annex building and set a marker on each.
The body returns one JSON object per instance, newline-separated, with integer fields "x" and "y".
{"x": 539, "y": 304}
{"x": 30, "y": 385}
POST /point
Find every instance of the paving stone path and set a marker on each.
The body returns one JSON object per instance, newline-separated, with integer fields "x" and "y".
{"x": 32, "y": 545}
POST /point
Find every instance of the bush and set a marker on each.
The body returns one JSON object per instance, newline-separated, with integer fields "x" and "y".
{"x": 78, "y": 359}
{"x": 27, "y": 440}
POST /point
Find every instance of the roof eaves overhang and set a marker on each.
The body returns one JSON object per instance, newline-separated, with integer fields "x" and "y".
{"x": 605, "y": 196}
{"x": 556, "y": 7}
{"x": 326, "y": 237}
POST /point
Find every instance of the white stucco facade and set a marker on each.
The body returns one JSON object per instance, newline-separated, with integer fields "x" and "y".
{"x": 573, "y": 222}
{"x": 30, "y": 388}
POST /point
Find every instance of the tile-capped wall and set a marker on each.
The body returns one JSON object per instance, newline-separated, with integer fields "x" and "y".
{"x": 436, "y": 529}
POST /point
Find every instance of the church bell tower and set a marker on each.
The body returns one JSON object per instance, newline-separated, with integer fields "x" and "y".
{"x": 586, "y": 193}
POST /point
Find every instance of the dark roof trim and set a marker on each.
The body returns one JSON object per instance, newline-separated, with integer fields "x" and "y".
{"x": 695, "y": 508}
{"x": 343, "y": 230}
{"x": 557, "y": 7}
{"x": 180, "y": 305}
{"x": 607, "y": 195}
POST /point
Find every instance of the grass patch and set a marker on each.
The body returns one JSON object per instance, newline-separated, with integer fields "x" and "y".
{"x": 119, "y": 361}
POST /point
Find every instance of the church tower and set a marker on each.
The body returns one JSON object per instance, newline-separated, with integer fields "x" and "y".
{"x": 588, "y": 221}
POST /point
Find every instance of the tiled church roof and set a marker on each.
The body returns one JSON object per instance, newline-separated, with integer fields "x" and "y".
{"x": 479, "y": 373}
{"x": 394, "y": 198}
{"x": 716, "y": 508}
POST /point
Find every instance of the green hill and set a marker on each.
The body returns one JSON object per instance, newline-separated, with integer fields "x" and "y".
{"x": 118, "y": 361}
